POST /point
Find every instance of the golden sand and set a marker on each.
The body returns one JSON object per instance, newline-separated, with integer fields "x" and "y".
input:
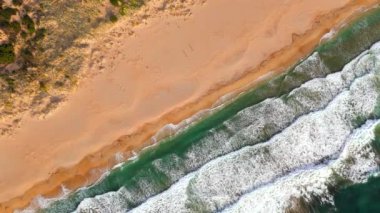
{"x": 171, "y": 68}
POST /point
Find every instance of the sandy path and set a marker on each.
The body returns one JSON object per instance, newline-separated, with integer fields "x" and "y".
{"x": 159, "y": 77}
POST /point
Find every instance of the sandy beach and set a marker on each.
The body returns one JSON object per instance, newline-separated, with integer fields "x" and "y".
{"x": 169, "y": 69}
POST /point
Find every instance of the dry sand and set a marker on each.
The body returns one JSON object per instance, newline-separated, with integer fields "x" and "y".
{"x": 168, "y": 70}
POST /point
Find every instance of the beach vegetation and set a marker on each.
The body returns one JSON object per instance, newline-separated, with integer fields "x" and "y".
{"x": 24, "y": 34}
{"x": 7, "y": 54}
{"x": 113, "y": 18}
{"x": 10, "y": 85}
{"x": 17, "y": 2}
{"x": 40, "y": 34}
{"x": 135, "y": 4}
{"x": 6, "y": 13}
{"x": 126, "y": 6}
{"x": 43, "y": 86}
{"x": 16, "y": 27}
{"x": 28, "y": 23}
{"x": 115, "y": 2}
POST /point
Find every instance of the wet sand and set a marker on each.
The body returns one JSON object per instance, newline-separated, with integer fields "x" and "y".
{"x": 167, "y": 71}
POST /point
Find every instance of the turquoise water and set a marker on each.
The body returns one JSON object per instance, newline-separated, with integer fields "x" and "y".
{"x": 142, "y": 178}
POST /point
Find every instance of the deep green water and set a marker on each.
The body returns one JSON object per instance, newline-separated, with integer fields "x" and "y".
{"x": 364, "y": 197}
{"x": 335, "y": 53}
{"x": 357, "y": 198}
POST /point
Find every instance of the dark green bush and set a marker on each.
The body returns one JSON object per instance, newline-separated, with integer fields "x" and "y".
{"x": 6, "y": 13}
{"x": 16, "y": 27}
{"x": 17, "y": 2}
{"x": 113, "y": 18}
{"x": 27, "y": 55}
{"x": 40, "y": 34}
{"x": 134, "y": 4}
{"x": 24, "y": 35}
{"x": 29, "y": 24}
{"x": 7, "y": 54}
{"x": 125, "y": 6}
{"x": 4, "y": 25}
{"x": 115, "y": 2}
{"x": 43, "y": 86}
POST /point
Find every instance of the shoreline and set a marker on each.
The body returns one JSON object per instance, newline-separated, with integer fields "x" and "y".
{"x": 76, "y": 176}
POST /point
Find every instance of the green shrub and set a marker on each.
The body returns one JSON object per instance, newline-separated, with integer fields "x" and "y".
{"x": 24, "y": 35}
{"x": 29, "y": 24}
{"x": 135, "y": 4}
{"x": 115, "y": 2}
{"x": 7, "y": 54}
{"x": 125, "y": 6}
{"x": 43, "y": 86}
{"x": 40, "y": 34}
{"x": 113, "y": 18}
{"x": 27, "y": 55}
{"x": 17, "y": 2}
{"x": 10, "y": 82}
{"x": 6, "y": 13}
{"x": 16, "y": 27}
{"x": 4, "y": 25}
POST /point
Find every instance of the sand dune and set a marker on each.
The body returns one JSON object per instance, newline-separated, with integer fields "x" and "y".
{"x": 168, "y": 70}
